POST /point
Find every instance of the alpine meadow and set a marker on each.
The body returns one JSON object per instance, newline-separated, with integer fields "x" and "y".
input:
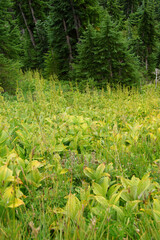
{"x": 79, "y": 120}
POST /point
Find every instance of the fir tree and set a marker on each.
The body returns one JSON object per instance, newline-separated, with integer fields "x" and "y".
{"x": 130, "y": 6}
{"x": 67, "y": 21}
{"x": 9, "y": 47}
{"x": 156, "y": 4}
{"x": 9, "y": 35}
{"x": 147, "y": 37}
{"x": 103, "y": 56}
{"x": 114, "y": 8}
{"x": 32, "y": 16}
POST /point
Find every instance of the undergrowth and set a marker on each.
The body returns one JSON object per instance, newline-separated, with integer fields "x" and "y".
{"x": 79, "y": 164}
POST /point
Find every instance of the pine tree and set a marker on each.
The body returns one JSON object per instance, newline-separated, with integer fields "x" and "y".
{"x": 104, "y": 57}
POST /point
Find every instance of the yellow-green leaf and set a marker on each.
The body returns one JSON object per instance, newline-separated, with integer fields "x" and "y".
{"x": 89, "y": 173}
{"x": 72, "y": 207}
{"x": 16, "y": 203}
{"x": 103, "y": 201}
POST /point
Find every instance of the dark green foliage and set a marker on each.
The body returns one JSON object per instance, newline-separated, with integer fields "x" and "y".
{"x": 31, "y": 16}
{"x": 50, "y": 64}
{"x": 114, "y": 8}
{"x": 158, "y": 56}
{"x": 67, "y": 21}
{"x": 9, "y": 74}
{"x": 9, "y": 42}
{"x": 34, "y": 56}
{"x": 9, "y": 47}
{"x": 156, "y": 5}
{"x": 45, "y": 35}
{"x": 141, "y": 32}
{"x": 103, "y": 56}
{"x": 130, "y": 6}
{"x": 147, "y": 38}
{"x": 57, "y": 36}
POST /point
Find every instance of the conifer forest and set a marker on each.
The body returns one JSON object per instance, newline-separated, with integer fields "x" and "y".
{"x": 79, "y": 119}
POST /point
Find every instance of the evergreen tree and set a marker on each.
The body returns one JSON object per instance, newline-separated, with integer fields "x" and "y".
{"x": 32, "y": 22}
{"x": 67, "y": 21}
{"x": 9, "y": 36}
{"x": 147, "y": 37}
{"x": 103, "y": 56}
{"x": 130, "y": 6}
{"x": 156, "y": 4}
{"x": 9, "y": 47}
{"x": 114, "y": 8}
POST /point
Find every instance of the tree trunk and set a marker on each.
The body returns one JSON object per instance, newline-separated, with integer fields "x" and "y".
{"x": 34, "y": 18}
{"x": 110, "y": 66}
{"x": 68, "y": 42}
{"x": 29, "y": 31}
{"x": 79, "y": 22}
{"x": 146, "y": 61}
{"x": 32, "y": 11}
{"x": 75, "y": 20}
{"x": 156, "y": 80}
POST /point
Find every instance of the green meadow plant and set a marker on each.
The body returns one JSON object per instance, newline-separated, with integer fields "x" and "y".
{"x": 118, "y": 202}
{"x": 79, "y": 164}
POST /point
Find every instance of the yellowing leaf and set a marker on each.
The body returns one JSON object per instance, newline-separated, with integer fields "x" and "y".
{"x": 153, "y": 137}
{"x": 105, "y": 185}
{"x": 125, "y": 182}
{"x": 143, "y": 185}
{"x": 156, "y": 209}
{"x": 34, "y": 177}
{"x": 72, "y": 207}
{"x": 33, "y": 165}
{"x": 11, "y": 197}
{"x": 103, "y": 201}
{"x": 113, "y": 189}
{"x": 4, "y": 174}
{"x": 3, "y": 137}
{"x": 16, "y": 203}
{"x": 115, "y": 198}
{"x": 97, "y": 189}
{"x": 89, "y": 172}
{"x": 59, "y": 148}
{"x": 12, "y": 156}
{"x": 59, "y": 210}
{"x": 13, "y": 179}
{"x": 99, "y": 171}
{"x": 63, "y": 171}
{"x": 113, "y": 147}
